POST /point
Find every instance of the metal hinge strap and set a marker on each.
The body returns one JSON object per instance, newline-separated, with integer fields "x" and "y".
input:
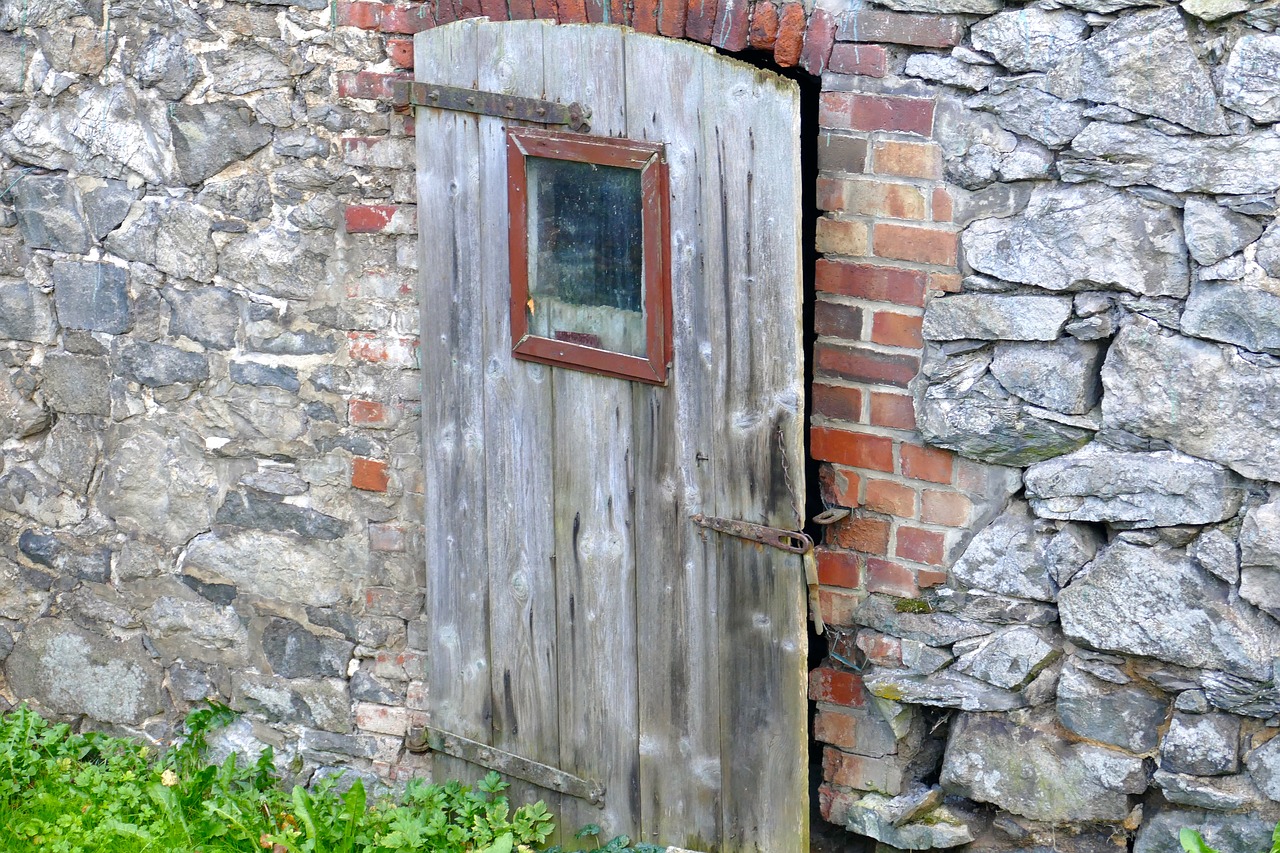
{"x": 427, "y": 739}
{"x": 405, "y": 93}
{"x": 794, "y": 541}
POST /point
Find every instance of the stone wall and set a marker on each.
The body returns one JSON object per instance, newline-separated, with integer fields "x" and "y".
{"x": 1047, "y": 330}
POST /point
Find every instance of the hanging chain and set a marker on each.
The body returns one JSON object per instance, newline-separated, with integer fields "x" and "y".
{"x": 786, "y": 477}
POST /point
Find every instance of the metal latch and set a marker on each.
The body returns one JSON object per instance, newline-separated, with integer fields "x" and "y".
{"x": 406, "y": 93}
{"x": 428, "y": 739}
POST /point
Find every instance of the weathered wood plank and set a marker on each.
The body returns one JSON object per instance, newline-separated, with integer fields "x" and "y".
{"x": 746, "y": 137}
{"x": 453, "y": 424}
{"x": 518, "y": 424}
{"x": 679, "y": 707}
{"x": 595, "y": 545}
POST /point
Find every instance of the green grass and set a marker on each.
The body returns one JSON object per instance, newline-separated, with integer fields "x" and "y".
{"x": 91, "y": 793}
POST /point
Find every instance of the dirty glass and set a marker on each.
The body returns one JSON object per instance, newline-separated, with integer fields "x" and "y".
{"x": 586, "y": 271}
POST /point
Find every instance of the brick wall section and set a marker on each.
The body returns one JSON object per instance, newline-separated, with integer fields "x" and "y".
{"x": 886, "y": 243}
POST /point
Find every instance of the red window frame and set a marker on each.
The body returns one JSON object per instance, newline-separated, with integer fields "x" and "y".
{"x": 649, "y": 159}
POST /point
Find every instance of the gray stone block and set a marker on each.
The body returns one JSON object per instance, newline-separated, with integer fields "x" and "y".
{"x": 50, "y": 215}
{"x": 92, "y": 296}
{"x": 1125, "y": 716}
{"x": 157, "y": 365}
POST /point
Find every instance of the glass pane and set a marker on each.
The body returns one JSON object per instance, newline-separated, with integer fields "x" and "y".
{"x": 586, "y": 275}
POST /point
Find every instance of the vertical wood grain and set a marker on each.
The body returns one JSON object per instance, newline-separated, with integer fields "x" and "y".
{"x": 594, "y": 509}
{"x": 518, "y": 430}
{"x": 453, "y": 421}
{"x": 679, "y": 707}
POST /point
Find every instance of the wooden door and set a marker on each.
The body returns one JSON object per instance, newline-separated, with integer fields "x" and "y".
{"x": 580, "y": 619}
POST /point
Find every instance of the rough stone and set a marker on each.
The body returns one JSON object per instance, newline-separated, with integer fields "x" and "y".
{"x": 1029, "y": 111}
{"x": 1114, "y": 67}
{"x": 1124, "y": 155}
{"x": 20, "y": 416}
{"x": 252, "y": 510}
{"x": 945, "y": 688}
{"x": 295, "y": 652}
{"x": 275, "y": 261}
{"x": 1062, "y": 375}
{"x": 157, "y": 365}
{"x": 1214, "y": 10}
{"x": 93, "y": 296}
{"x": 949, "y": 70}
{"x": 1263, "y": 764}
{"x": 209, "y": 137}
{"x": 1029, "y": 38}
{"x": 1251, "y": 79}
{"x": 977, "y": 151}
{"x": 164, "y": 63}
{"x": 76, "y": 384}
{"x": 69, "y": 670}
{"x": 1224, "y": 793}
{"x": 1070, "y": 550}
{"x": 1204, "y": 399}
{"x": 105, "y": 203}
{"x": 365, "y": 688}
{"x": 245, "y": 196}
{"x": 257, "y": 373}
{"x": 317, "y": 574}
{"x": 1245, "y": 313}
{"x": 207, "y": 315}
{"x": 1160, "y": 489}
{"x": 1201, "y": 745}
{"x": 1029, "y": 771}
{"x": 872, "y": 816}
{"x": 1007, "y": 557}
{"x": 1083, "y": 236}
{"x": 50, "y": 215}
{"x": 1008, "y": 658}
{"x": 987, "y": 316}
{"x": 1268, "y": 254}
{"x": 880, "y": 612}
{"x": 978, "y": 605}
{"x": 1214, "y": 232}
{"x": 1156, "y": 602}
{"x": 1225, "y": 833}
{"x": 158, "y": 482}
{"x": 1121, "y": 715}
{"x": 25, "y": 313}
{"x": 172, "y": 235}
{"x": 946, "y": 7}
{"x": 186, "y": 627}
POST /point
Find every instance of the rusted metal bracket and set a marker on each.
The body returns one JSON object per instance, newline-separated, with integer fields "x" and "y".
{"x": 406, "y": 94}
{"x": 427, "y": 739}
{"x": 794, "y": 541}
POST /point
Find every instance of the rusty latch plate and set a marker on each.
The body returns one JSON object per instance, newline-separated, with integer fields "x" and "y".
{"x": 405, "y": 94}
{"x": 795, "y": 541}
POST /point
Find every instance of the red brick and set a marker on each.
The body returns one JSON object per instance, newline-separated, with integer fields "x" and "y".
{"x": 837, "y": 401}
{"x": 912, "y": 243}
{"x": 645, "y": 16}
{"x": 374, "y": 85}
{"x": 868, "y": 60}
{"x": 857, "y": 450}
{"x": 926, "y": 463}
{"x": 862, "y": 534}
{"x": 571, "y": 11}
{"x": 819, "y": 37}
{"x": 896, "y": 330}
{"x": 671, "y": 18}
{"x": 732, "y": 24}
{"x": 469, "y": 8}
{"x": 400, "y": 52}
{"x": 921, "y": 546}
{"x": 836, "y": 320}
{"x": 907, "y": 159}
{"x": 944, "y": 282}
{"x": 834, "y": 728}
{"x": 941, "y": 204}
{"x": 838, "y": 568}
{"x": 896, "y": 411}
{"x": 877, "y": 283}
{"x": 366, "y": 412}
{"x": 369, "y": 475}
{"x": 926, "y": 578}
{"x": 950, "y": 508}
{"x": 841, "y": 237}
{"x": 381, "y": 719}
{"x": 790, "y": 40}
{"x": 837, "y": 687}
{"x": 837, "y": 606}
{"x": 859, "y": 364}
{"x": 861, "y": 772}
{"x": 545, "y": 10}
{"x": 408, "y": 19}
{"x": 873, "y": 25}
{"x": 366, "y": 16}
{"x": 890, "y": 498}
{"x": 854, "y": 111}
{"x": 520, "y": 10}
{"x": 494, "y": 10}
{"x": 839, "y": 485}
{"x": 700, "y": 19}
{"x": 597, "y": 10}
{"x": 391, "y": 351}
{"x": 764, "y": 25}
{"x": 368, "y": 218}
{"x": 880, "y": 649}
{"x": 872, "y": 198}
{"x": 446, "y": 11}
{"x": 890, "y": 578}
{"x": 840, "y": 153}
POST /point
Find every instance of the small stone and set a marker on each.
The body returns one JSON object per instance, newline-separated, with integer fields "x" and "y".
{"x": 1008, "y": 658}
{"x": 25, "y": 313}
{"x": 1251, "y": 81}
{"x": 881, "y": 613}
{"x": 949, "y": 70}
{"x": 1215, "y": 551}
{"x": 1201, "y": 745}
{"x": 945, "y": 689}
{"x": 184, "y": 626}
{"x": 1192, "y": 701}
{"x": 1070, "y": 550}
{"x": 277, "y": 262}
{"x": 1069, "y": 236}
{"x": 1268, "y": 255}
{"x": 252, "y": 510}
{"x": 20, "y": 416}
{"x": 1214, "y": 10}
{"x": 76, "y": 384}
{"x": 206, "y": 315}
{"x": 1213, "y": 232}
{"x": 1128, "y": 717}
{"x": 996, "y": 317}
{"x": 1225, "y": 833}
{"x": 93, "y": 296}
{"x": 164, "y": 63}
{"x": 295, "y": 652}
{"x": 1030, "y": 111}
{"x": 175, "y": 236}
{"x": 1029, "y": 38}
{"x": 872, "y": 816}
{"x": 157, "y": 365}
{"x": 1224, "y": 793}
{"x": 256, "y": 373}
{"x": 1007, "y": 557}
{"x": 245, "y": 196}
{"x": 1062, "y": 375}
{"x": 209, "y": 137}
{"x": 366, "y": 688}
{"x": 50, "y": 214}
{"x": 1230, "y": 269}
{"x": 1245, "y": 313}
{"x": 1161, "y": 489}
{"x": 279, "y": 566}
{"x": 106, "y": 203}
{"x": 245, "y": 70}
{"x": 1264, "y": 768}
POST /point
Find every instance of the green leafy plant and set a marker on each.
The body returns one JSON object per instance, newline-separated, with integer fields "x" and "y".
{"x": 66, "y": 792}
{"x": 1193, "y": 842}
